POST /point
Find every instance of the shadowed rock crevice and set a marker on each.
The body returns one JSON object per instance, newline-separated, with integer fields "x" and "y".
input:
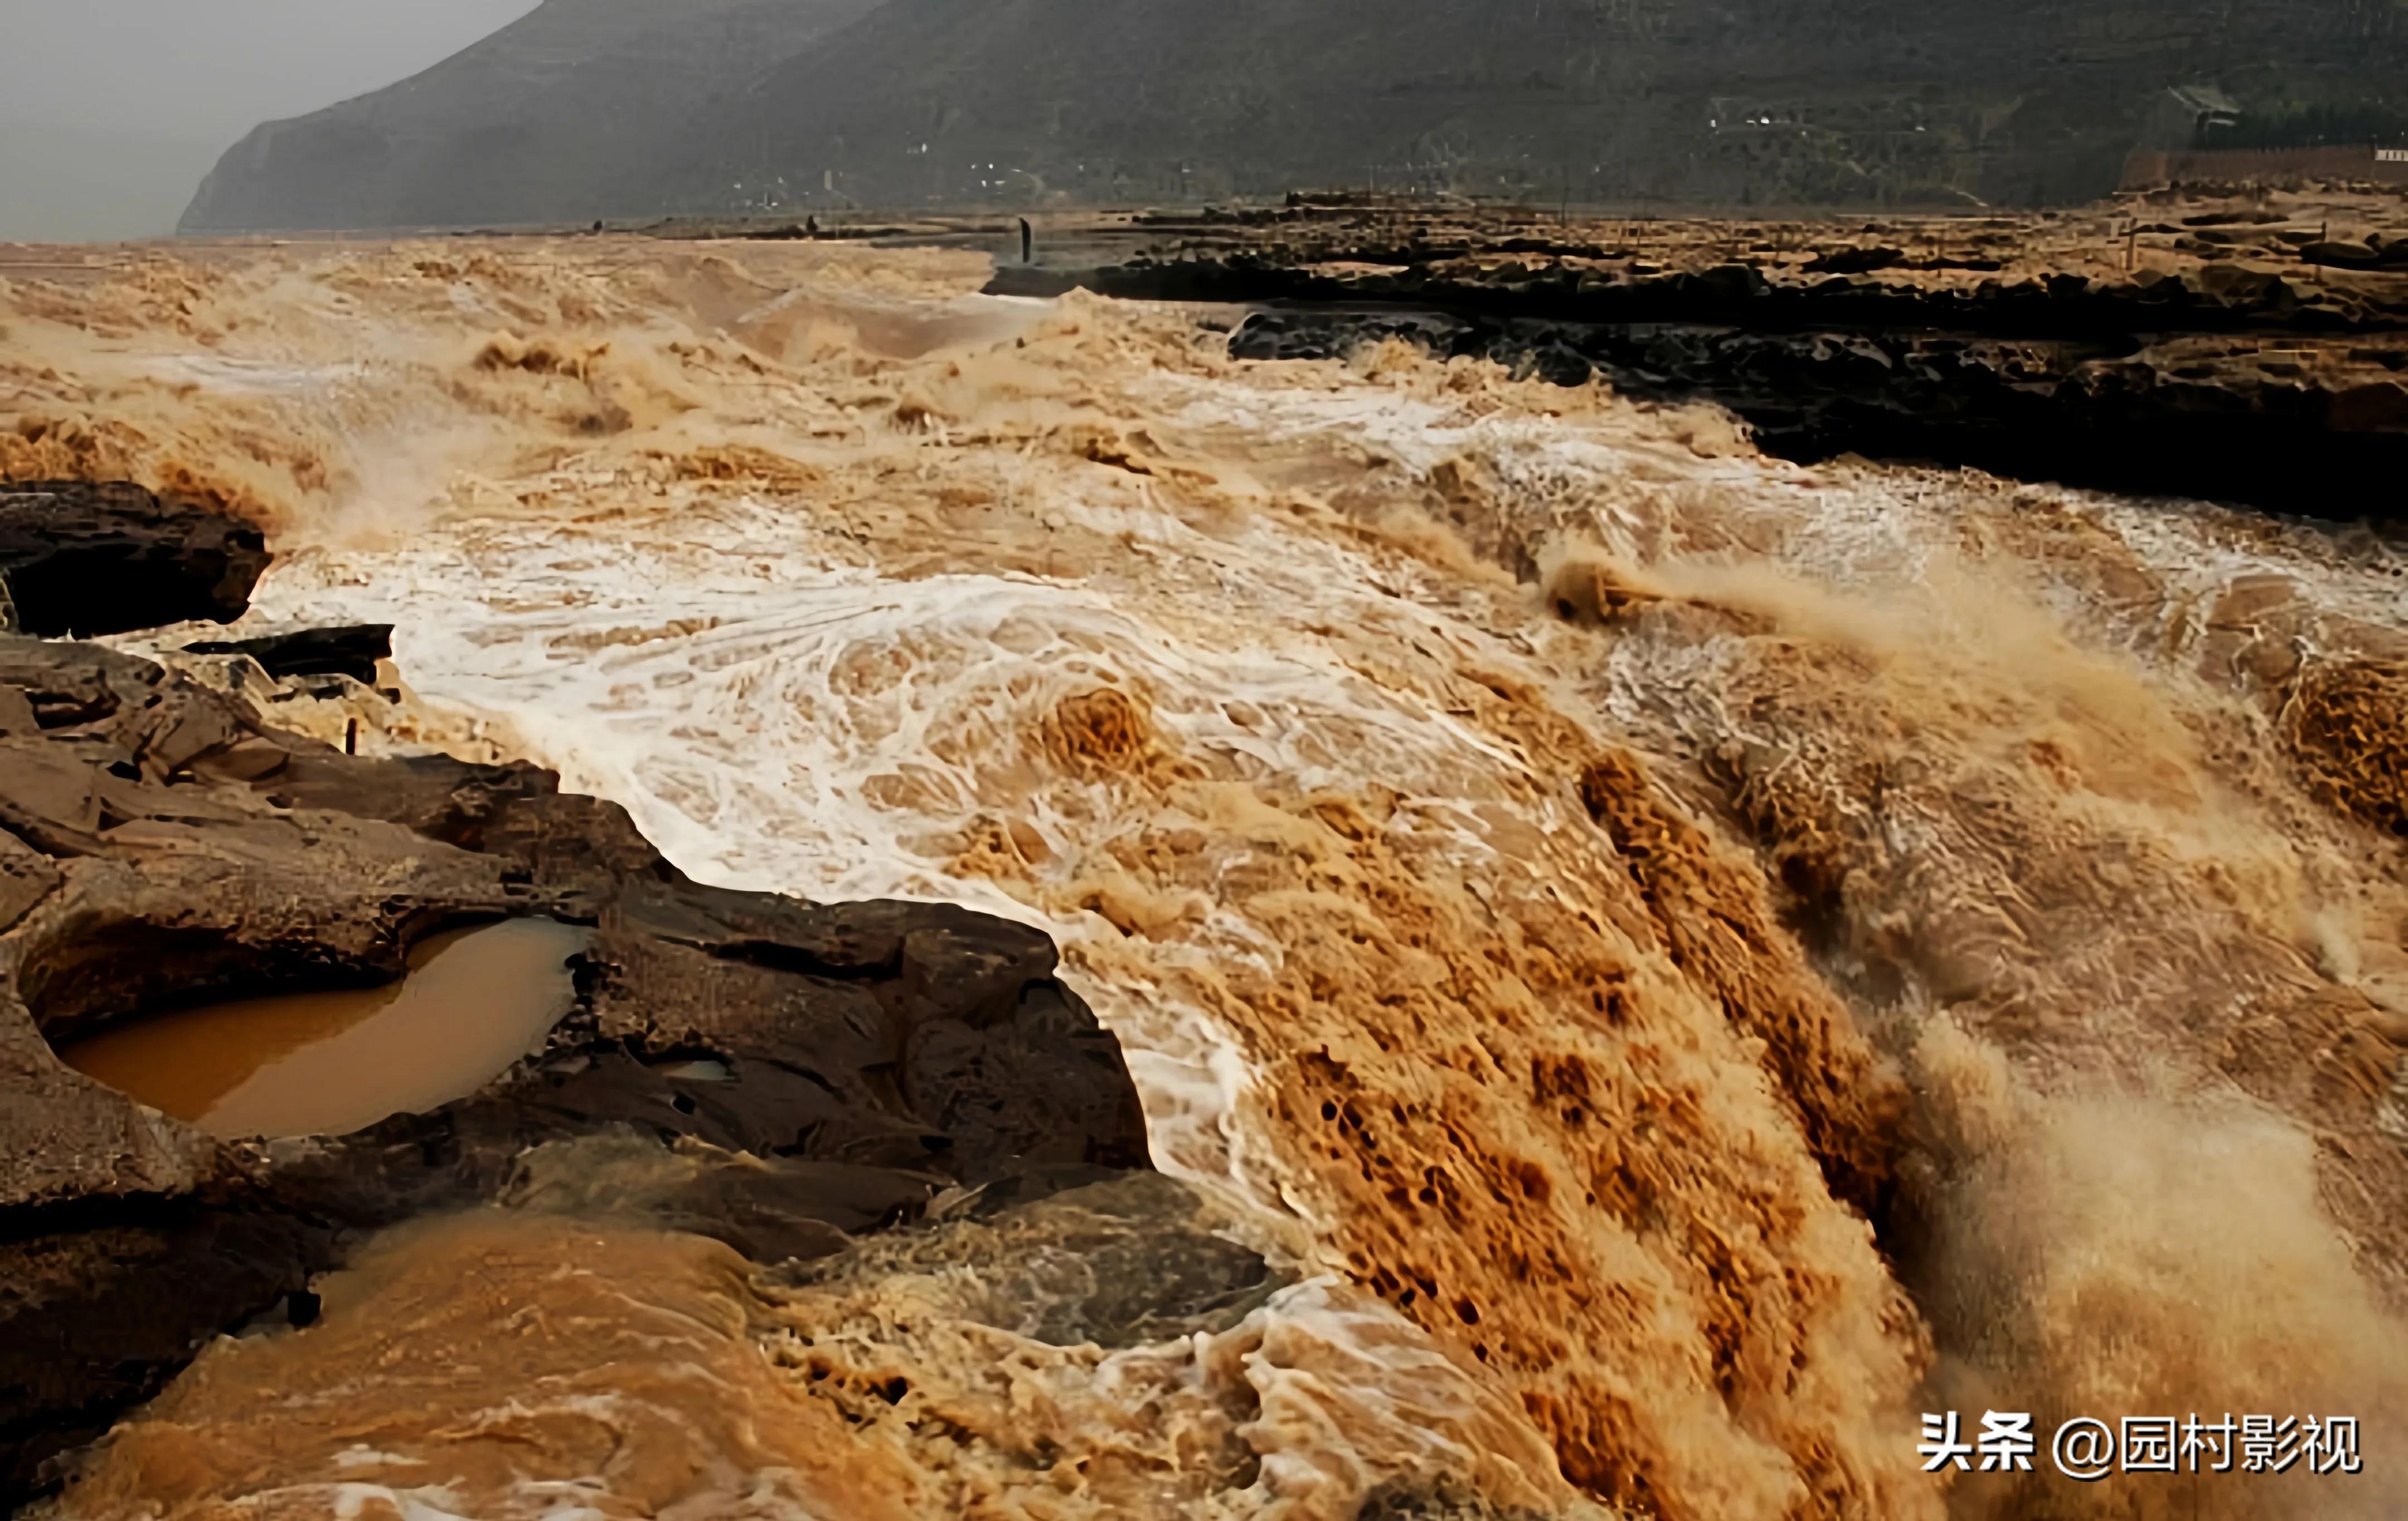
{"x": 353, "y": 650}
{"x": 81, "y": 558}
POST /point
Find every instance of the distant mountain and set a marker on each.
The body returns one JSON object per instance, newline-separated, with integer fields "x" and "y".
{"x": 632, "y": 107}
{"x": 581, "y": 109}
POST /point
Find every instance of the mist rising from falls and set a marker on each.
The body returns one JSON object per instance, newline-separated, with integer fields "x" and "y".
{"x": 1562, "y": 881}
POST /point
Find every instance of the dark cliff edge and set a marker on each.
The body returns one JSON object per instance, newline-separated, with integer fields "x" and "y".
{"x": 2253, "y": 380}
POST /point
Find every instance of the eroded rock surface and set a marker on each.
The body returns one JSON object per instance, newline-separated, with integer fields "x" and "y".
{"x": 159, "y": 845}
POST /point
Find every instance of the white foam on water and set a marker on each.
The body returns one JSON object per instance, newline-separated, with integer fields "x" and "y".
{"x": 845, "y": 674}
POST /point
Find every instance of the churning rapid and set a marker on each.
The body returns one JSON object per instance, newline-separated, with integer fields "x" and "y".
{"x": 1686, "y": 961}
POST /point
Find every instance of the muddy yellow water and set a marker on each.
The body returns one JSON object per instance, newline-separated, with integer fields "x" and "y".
{"x": 1575, "y": 996}
{"x": 595, "y": 1407}
{"x": 309, "y": 1063}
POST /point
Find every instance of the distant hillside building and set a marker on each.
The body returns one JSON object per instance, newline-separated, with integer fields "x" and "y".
{"x": 2181, "y": 143}
{"x": 2186, "y": 118}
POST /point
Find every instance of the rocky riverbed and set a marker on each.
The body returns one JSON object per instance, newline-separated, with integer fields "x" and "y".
{"x": 165, "y": 845}
{"x": 2247, "y": 347}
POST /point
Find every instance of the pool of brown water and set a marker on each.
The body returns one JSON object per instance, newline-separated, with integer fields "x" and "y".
{"x": 306, "y": 1064}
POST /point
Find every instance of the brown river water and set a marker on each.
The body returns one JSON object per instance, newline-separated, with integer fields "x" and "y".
{"x": 321, "y": 1064}
{"x": 1689, "y": 960}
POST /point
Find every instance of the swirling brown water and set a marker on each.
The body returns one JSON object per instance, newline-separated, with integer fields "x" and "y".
{"x": 1560, "y": 876}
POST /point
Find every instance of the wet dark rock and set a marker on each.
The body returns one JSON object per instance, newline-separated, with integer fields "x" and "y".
{"x": 1155, "y": 1265}
{"x": 81, "y": 558}
{"x": 160, "y": 845}
{"x": 2062, "y": 307}
{"x": 2228, "y": 382}
{"x": 771, "y": 1208}
{"x": 352, "y": 651}
{"x": 2298, "y": 428}
{"x": 2341, "y": 255}
{"x": 1854, "y": 261}
{"x": 100, "y": 1303}
{"x": 1116, "y": 1262}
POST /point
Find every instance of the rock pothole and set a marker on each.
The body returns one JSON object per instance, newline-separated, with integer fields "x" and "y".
{"x": 330, "y": 1062}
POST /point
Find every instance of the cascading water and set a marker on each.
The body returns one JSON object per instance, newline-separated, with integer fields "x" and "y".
{"x": 1687, "y": 960}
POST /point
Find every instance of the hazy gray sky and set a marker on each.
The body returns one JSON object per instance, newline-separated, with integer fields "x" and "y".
{"x": 113, "y": 110}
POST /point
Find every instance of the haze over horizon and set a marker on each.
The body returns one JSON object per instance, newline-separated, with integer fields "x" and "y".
{"x": 137, "y": 118}
{"x": 111, "y": 112}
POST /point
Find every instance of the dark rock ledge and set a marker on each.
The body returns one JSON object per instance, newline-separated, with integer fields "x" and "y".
{"x": 159, "y": 846}
{"x": 84, "y": 557}
{"x": 2222, "y": 382}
